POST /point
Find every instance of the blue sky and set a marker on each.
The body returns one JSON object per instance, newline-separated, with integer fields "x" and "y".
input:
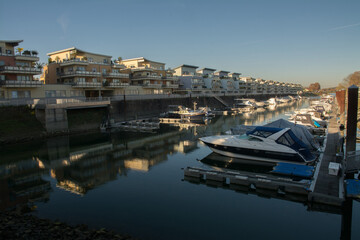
{"x": 289, "y": 41}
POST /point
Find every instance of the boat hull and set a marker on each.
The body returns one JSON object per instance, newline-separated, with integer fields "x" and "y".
{"x": 256, "y": 155}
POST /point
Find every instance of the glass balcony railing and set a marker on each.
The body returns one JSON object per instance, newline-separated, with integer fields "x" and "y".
{"x": 24, "y": 70}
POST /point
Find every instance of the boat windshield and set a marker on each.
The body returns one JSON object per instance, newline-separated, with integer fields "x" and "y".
{"x": 263, "y": 132}
{"x": 250, "y": 138}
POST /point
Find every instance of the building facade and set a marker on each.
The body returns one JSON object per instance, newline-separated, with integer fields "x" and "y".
{"x": 17, "y": 70}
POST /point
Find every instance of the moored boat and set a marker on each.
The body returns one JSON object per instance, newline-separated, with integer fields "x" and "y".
{"x": 266, "y": 144}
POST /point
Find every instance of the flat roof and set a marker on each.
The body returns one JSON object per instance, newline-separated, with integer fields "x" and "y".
{"x": 186, "y": 65}
{"x": 141, "y": 59}
{"x": 74, "y": 48}
{"x": 12, "y": 42}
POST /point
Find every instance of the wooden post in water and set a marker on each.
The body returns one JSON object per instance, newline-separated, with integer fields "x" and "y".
{"x": 351, "y": 118}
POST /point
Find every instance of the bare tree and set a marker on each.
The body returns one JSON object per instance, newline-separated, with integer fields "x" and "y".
{"x": 352, "y": 79}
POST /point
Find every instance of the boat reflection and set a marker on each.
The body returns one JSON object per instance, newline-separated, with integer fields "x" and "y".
{"x": 246, "y": 170}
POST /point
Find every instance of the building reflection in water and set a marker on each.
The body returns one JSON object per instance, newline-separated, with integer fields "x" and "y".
{"x": 79, "y": 168}
{"x": 21, "y": 180}
{"x": 81, "y": 163}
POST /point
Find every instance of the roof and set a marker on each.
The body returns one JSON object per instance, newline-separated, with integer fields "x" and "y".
{"x": 142, "y": 59}
{"x": 186, "y": 65}
{"x": 12, "y": 42}
{"x": 222, "y": 71}
{"x": 74, "y": 48}
{"x": 236, "y": 73}
{"x": 210, "y": 69}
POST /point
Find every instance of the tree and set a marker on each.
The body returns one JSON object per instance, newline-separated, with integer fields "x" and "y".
{"x": 314, "y": 87}
{"x": 119, "y": 59}
{"x": 19, "y": 50}
{"x": 352, "y": 79}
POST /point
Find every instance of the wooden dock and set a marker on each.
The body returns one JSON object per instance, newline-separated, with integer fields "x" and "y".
{"x": 327, "y": 188}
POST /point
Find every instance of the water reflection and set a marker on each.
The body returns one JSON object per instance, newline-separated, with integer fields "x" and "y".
{"x": 81, "y": 163}
{"x": 21, "y": 182}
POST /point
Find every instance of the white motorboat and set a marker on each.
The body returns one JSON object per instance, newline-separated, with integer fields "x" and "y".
{"x": 266, "y": 144}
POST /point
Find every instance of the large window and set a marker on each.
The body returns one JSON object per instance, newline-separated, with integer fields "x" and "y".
{"x": 55, "y": 93}
{"x": 20, "y": 94}
{"x": 76, "y": 93}
{"x": 22, "y": 64}
{"x": 23, "y": 77}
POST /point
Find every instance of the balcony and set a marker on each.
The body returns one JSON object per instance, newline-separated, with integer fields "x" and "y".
{"x": 117, "y": 85}
{"x": 20, "y": 70}
{"x": 27, "y": 57}
{"x": 20, "y": 84}
{"x": 87, "y": 85}
{"x": 73, "y": 62}
{"x": 80, "y": 74}
{"x": 146, "y": 77}
{"x": 116, "y": 75}
{"x": 152, "y": 85}
{"x": 170, "y": 78}
{"x": 170, "y": 85}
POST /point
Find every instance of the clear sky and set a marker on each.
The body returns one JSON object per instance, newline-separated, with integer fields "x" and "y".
{"x": 298, "y": 41}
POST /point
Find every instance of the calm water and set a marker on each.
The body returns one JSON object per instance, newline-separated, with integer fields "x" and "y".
{"x": 134, "y": 183}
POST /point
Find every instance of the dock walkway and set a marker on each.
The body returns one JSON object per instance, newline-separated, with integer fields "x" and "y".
{"x": 328, "y": 188}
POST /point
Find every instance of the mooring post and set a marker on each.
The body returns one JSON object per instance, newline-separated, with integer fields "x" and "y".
{"x": 353, "y": 92}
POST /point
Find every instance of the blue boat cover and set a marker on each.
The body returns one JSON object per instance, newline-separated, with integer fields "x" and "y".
{"x": 353, "y": 188}
{"x": 292, "y": 169}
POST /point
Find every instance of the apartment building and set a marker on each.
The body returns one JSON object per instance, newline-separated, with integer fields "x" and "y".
{"x": 17, "y": 70}
{"x": 92, "y": 74}
{"x": 151, "y": 75}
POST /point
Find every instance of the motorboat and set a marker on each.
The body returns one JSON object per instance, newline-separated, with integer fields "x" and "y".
{"x": 272, "y": 102}
{"x": 244, "y": 103}
{"x": 186, "y": 114}
{"x": 266, "y": 144}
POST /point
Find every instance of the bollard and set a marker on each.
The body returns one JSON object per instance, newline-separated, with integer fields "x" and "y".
{"x": 351, "y": 118}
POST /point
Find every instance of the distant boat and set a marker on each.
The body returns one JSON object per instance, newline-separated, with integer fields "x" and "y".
{"x": 266, "y": 144}
{"x": 181, "y": 112}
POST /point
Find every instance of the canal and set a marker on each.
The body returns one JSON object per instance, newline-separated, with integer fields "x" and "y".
{"x": 134, "y": 183}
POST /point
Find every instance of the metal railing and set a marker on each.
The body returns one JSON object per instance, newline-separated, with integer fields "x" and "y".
{"x": 17, "y": 83}
{"x": 14, "y": 69}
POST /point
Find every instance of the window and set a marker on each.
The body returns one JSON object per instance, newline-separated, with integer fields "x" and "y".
{"x": 8, "y": 51}
{"x": 55, "y": 93}
{"x": 105, "y": 60}
{"x": 80, "y": 69}
{"x": 20, "y": 94}
{"x": 94, "y": 80}
{"x": 76, "y": 93}
{"x": 2, "y": 77}
{"x": 2, "y": 63}
{"x": 81, "y": 80}
{"x": 90, "y": 59}
{"x": 104, "y": 71}
{"x": 22, "y": 64}
{"x": 93, "y": 69}
{"x": 23, "y": 78}
{"x": 283, "y": 140}
{"x": 2, "y": 95}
